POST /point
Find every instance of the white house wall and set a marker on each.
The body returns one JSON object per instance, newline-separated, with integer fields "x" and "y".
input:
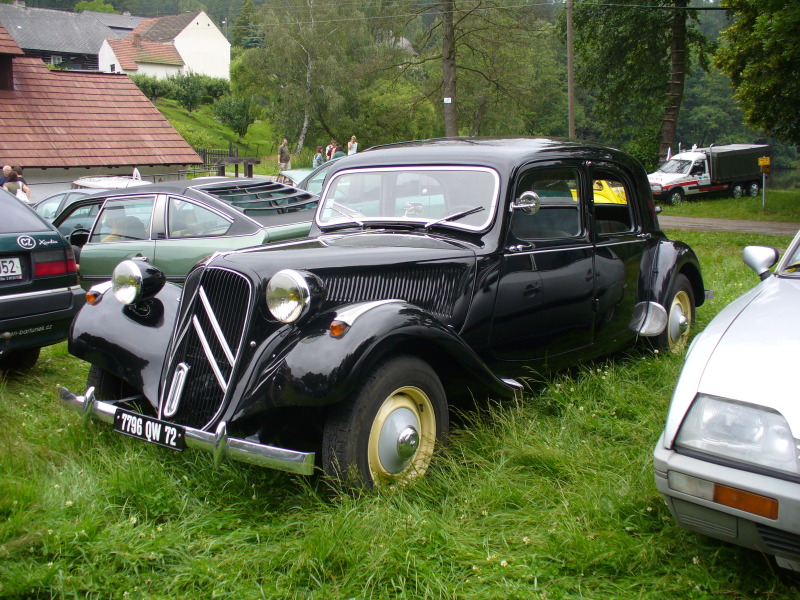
{"x": 204, "y": 48}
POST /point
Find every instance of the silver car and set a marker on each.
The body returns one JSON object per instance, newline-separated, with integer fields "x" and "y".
{"x": 728, "y": 461}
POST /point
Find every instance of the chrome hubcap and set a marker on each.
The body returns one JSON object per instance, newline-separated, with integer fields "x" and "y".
{"x": 679, "y": 319}
{"x": 398, "y": 441}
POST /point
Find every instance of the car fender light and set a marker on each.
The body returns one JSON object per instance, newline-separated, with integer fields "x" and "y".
{"x": 749, "y": 502}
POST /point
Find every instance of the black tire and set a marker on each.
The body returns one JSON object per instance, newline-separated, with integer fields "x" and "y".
{"x": 737, "y": 190}
{"x": 754, "y": 188}
{"x": 107, "y": 386}
{"x": 676, "y": 197}
{"x": 681, "y": 310}
{"x": 387, "y": 432}
{"x": 20, "y": 360}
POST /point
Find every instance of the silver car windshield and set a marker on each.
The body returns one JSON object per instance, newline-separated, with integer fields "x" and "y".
{"x": 411, "y": 195}
{"x": 676, "y": 166}
{"x": 791, "y": 263}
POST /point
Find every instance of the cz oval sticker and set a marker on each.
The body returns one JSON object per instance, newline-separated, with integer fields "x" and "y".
{"x": 27, "y": 242}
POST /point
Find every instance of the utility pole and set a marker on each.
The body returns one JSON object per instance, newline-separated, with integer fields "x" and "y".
{"x": 570, "y": 75}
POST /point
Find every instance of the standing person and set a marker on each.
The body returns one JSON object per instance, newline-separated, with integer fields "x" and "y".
{"x": 6, "y": 170}
{"x": 16, "y": 187}
{"x": 352, "y": 146}
{"x": 318, "y": 158}
{"x": 330, "y": 149}
{"x": 284, "y": 158}
{"x": 339, "y": 152}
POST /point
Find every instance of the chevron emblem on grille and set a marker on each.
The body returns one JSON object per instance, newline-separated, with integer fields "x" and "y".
{"x": 216, "y": 331}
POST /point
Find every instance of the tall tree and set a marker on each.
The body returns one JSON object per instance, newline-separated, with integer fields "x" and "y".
{"x": 635, "y": 59}
{"x": 761, "y": 55}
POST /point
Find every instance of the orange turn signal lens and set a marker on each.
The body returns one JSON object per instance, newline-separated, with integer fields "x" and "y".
{"x": 338, "y": 328}
{"x": 746, "y": 501}
{"x": 93, "y": 297}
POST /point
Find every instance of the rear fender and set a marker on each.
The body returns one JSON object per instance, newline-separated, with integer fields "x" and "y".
{"x": 316, "y": 368}
{"x": 127, "y": 341}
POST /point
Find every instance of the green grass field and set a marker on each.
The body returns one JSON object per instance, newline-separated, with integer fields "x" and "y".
{"x": 548, "y": 497}
{"x": 780, "y": 205}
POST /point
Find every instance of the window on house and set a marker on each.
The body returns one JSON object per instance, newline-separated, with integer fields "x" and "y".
{"x": 112, "y": 68}
{"x": 56, "y": 60}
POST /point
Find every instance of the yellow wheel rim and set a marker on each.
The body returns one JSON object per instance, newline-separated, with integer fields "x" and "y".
{"x": 680, "y": 321}
{"x": 402, "y": 436}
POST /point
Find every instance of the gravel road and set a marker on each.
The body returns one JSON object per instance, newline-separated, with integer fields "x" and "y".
{"x": 701, "y": 224}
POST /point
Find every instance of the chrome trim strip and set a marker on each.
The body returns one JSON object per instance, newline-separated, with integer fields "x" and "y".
{"x": 209, "y": 355}
{"x": 176, "y": 390}
{"x": 349, "y": 315}
{"x": 215, "y": 326}
{"x": 71, "y": 288}
{"x": 217, "y": 443}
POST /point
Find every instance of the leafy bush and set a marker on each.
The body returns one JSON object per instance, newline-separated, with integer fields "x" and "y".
{"x": 236, "y": 112}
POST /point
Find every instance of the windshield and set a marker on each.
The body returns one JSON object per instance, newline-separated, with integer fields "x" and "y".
{"x": 411, "y": 195}
{"x": 791, "y": 262}
{"x": 676, "y": 166}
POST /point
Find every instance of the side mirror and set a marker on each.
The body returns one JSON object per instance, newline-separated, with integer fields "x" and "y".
{"x": 761, "y": 259}
{"x": 529, "y": 203}
{"x": 79, "y": 237}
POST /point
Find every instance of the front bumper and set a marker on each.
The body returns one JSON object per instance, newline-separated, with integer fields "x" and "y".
{"x": 779, "y": 537}
{"x": 218, "y": 443}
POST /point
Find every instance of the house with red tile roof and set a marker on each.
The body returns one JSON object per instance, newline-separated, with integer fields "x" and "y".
{"x": 61, "y": 125}
{"x": 171, "y": 45}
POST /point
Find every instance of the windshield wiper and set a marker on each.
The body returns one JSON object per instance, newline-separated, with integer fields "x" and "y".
{"x": 455, "y": 216}
{"x": 345, "y": 212}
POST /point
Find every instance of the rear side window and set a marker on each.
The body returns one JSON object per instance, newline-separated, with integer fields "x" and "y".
{"x": 18, "y": 217}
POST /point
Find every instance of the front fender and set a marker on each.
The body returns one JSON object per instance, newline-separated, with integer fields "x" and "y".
{"x": 315, "y": 368}
{"x": 127, "y": 341}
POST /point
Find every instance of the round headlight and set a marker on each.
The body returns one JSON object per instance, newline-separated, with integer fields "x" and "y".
{"x": 288, "y": 295}
{"x": 133, "y": 281}
{"x": 126, "y": 282}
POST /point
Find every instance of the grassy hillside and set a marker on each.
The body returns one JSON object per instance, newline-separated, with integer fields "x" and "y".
{"x": 201, "y": 130}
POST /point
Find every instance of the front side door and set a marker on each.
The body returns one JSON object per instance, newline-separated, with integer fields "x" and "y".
{"x": 121, "y": 231}
{"x": 545, "y": 295}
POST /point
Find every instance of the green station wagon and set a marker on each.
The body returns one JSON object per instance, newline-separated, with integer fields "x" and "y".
{"x": 175, "y": 224}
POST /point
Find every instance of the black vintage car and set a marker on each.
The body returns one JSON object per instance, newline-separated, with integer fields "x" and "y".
{"x": 435, "y": 270}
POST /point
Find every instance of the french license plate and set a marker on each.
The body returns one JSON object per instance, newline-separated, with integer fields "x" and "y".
{"x": 10, "y": 269}
{"x": 150, "y": 430}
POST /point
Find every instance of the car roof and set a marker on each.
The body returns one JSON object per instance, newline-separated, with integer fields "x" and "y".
{"x": 253, "y": 197}
{"x": 19, "y": 217}
{"x": 502, "y": 153}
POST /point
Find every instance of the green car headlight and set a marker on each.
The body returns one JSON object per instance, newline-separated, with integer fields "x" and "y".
{"x": 289, "y": 295}
{"x": 741, "y": 432}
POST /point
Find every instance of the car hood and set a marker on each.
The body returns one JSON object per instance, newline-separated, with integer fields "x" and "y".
{"x": 381, "y": 250}
{"x": 748, "y": 353}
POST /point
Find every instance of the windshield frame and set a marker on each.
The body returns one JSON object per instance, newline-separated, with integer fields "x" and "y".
{"x": 383, "y": 221}
{"x": 790, "y": 257}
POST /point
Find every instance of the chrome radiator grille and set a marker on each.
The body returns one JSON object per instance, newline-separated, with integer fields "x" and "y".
{"x": 210, "y": 337}
{"x": 432, "y": 287}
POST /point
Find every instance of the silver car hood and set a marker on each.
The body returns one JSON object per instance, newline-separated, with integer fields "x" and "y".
{"x": 749, "y": 352}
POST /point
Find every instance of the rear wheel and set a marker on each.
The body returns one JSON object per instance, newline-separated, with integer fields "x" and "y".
{"x": 680, "y": 316}
{"x": 738, "y": 191}
{"x": 387, "y": 432}
{"x": 754, "y": 188}
{"x": 20, "y": 360}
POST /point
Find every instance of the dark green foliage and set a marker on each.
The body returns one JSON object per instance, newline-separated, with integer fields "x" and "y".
{"x": 95, "y": 6}
{"x": 154, "y": 88}
{"x": 761, "y": 55}
{"x": 236, "y": 112}
{"x": 189, "y": 90}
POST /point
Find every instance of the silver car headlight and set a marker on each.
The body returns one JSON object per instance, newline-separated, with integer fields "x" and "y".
{"x": 290, "y": 294}
{"x": 740, "y": 432}
{"x": 134, "y": 280}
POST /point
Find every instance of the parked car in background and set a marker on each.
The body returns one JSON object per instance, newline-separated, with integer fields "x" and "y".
{"x": 175, "y": 224}
{"x": 728, "y": 461}
{"x": 109, "y": 182}
{"x": 39, "y": 291}
{"x": 435, "y": 272}
{"x": 54, "y": 204}
{"x": 310, "y": 180}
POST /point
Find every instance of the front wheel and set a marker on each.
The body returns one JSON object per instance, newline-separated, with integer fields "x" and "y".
{"x": 387, "y": 432}
{"x": 680, "y": 316}
{"x": 107, "y": 386}
{"x": 675, "y": 197}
